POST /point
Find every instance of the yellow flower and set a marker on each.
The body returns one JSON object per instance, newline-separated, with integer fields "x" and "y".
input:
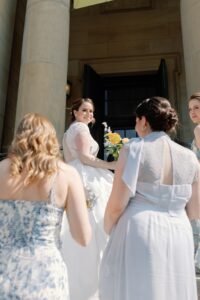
{"x": 114, "y": 138}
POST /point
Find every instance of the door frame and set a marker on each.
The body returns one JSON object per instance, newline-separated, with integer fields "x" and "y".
{"x": 140, "y": 65}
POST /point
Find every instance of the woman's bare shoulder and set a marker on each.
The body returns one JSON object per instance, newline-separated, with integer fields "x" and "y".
{"x": 5, "y": 164}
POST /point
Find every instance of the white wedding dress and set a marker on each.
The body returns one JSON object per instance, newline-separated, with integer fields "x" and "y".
{"x": 83, "y": 263}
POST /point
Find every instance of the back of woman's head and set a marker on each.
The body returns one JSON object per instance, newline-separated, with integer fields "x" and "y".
{"x": 35, "y": 148}
{"x": 77, "y": 104}
{"x": 159, "y": 114}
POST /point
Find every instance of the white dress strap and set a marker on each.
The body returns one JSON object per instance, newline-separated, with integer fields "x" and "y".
{"x": 131, "y": 170}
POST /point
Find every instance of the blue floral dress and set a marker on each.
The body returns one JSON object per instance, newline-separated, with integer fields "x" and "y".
{"x": 31, "y": 266}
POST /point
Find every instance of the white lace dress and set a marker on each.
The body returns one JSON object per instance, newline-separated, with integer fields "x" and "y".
{"x": 150, "y": 252}
{"x": 83, "y": 263}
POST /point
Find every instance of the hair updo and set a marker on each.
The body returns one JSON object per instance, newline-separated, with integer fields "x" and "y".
{"x": 77, "y": 103}
{"x": 159, "y": 114}
{"x": 195, "y": 96}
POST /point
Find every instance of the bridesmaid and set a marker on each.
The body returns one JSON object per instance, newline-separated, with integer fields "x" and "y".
{"x": 36, "y": 187}
{"x": 194, "y": 112}
{"x": 150, "y": 251}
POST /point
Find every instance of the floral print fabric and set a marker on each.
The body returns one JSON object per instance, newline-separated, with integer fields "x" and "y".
{"x": 31, "y": 266}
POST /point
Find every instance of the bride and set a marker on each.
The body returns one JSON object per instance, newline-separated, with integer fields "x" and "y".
{"x": 80, "y": 150}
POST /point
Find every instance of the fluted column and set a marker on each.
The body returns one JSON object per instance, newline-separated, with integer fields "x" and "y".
{"x": 190, "y": 21}
{"x": 7, "y": 20}
{"x": 43, "y": 71}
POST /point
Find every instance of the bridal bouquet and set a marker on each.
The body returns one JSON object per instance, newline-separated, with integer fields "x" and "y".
{"x": 112, "y": 142}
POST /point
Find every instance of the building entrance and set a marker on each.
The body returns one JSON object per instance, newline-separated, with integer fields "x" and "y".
{"x": 116, "y": 98}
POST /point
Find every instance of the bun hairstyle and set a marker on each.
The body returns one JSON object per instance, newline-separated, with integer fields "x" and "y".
{"x": 195, "y": 96}
{"x": 159, "y": 114}
{"x": 77, "y": 103}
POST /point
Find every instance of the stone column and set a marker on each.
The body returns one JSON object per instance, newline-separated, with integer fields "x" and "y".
{"x": 7, "y": 19}
{"x": 43, "y": 71}
{"x": 190, "y": 21}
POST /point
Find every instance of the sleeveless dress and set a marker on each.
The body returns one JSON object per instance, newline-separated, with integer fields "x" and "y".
{"x": 196, "y": 223}
{"x": 149, "y": 255}
{"x": 83, "y": 263}
{"x": 31, "y": 265}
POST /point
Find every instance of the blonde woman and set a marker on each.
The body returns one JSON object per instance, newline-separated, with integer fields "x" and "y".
{"x": 35, "y": 189}
{"x": 194, "y": 112}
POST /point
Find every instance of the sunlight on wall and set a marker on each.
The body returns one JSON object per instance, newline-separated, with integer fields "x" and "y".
{"x": 84, "y": 3}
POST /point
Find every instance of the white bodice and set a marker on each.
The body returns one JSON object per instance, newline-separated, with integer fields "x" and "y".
{"x": 144, "y": 167}
{"x": 69, "y": 145}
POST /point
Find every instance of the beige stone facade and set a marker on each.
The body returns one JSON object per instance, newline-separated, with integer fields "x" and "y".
{"x": 131, "y": 38}
{"x": 116, "y": 38}
{"x": 190, "y": 17}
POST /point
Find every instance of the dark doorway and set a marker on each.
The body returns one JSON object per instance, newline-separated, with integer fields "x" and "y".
{"x": 116, "y": 98}
{"x": 93, "y": 88}
{"x": 122, "y": 95}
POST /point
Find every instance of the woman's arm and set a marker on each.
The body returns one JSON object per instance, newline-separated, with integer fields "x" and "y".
{"x": 197, "y": 136}
{"x": 193, "y": 205}
{"x": 119, "y": 197}
{"x": 77, "y": 211}
{"x": 82, "y": 142}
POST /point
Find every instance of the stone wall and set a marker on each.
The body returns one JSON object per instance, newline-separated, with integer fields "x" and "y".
{"x": 126, "y": 39}
{"x": 190, "y": 17}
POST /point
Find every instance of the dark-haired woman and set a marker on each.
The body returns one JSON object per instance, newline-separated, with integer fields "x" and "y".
{"x": 156, "y": 191}
{"x": 80, "y": 151}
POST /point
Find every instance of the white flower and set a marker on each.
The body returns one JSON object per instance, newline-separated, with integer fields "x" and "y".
{"x": 105, "y": 125}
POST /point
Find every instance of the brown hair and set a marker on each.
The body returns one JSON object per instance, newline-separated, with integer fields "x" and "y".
{"x": 35, "y": 148}
{"x": 77, "y": 103}
{"x": 159, "y": 113}
{"x": 195, "y": 96}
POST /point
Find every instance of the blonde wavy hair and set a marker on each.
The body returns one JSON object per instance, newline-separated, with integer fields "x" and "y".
{"x": 35, "y": 149}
